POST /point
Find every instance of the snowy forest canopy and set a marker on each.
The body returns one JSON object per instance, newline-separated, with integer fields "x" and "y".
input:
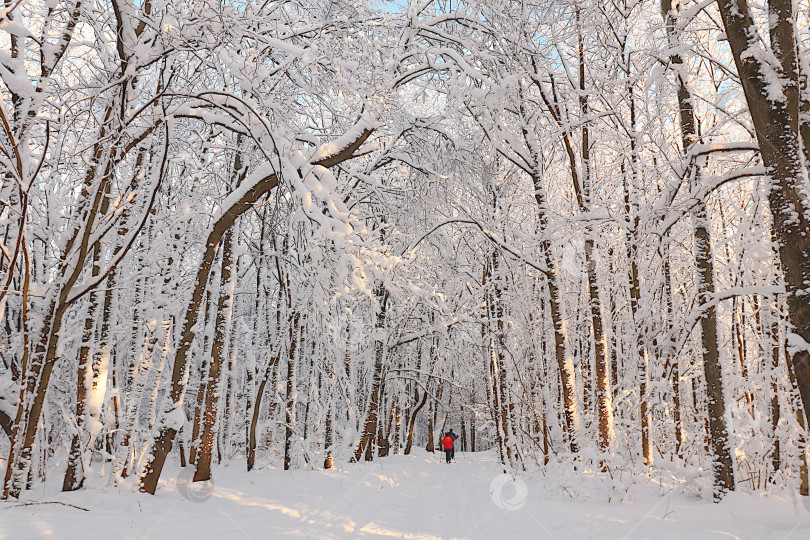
{"x": 303, "y": 233}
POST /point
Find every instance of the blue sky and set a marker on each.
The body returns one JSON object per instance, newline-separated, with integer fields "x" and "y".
{"x": 392, "y": 5}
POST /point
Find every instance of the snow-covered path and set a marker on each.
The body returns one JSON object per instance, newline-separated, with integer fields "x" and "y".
{"x": 397, "y": 497}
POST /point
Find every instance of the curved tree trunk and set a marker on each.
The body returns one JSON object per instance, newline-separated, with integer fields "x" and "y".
{"x": 412, "y": 420}
{"x": 170, "y": 417}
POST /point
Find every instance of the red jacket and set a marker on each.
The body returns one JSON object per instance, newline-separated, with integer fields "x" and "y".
{"x": 447, "y": 443}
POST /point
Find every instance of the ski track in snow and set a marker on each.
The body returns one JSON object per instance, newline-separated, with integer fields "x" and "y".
{"x": 410, "y": 497}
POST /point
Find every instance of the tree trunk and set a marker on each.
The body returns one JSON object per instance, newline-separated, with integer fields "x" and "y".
{"x": 801, "y": 419}
{"x": 257, "y": 403}
{"x": 214, "y": 382}
{"x": 74, "y": 474}
{"x": 366, "y": 444}
{"x": 604, "y": 407}
{"x": 199, "y": 401}
{"x": 290, "y": 398}
{"x": 771, "y": 335}
{"x": 672, "y": 359}
{"x": 723, "y": 467}
{"x": 260, "y": 341}
{"x": 722, "y": 463}
{"x": 328, "y": 441}
{"x": 429, "y": 447}
{"x": 251, "y": 458}
{"x": 774, "y": 109}
{"x": 412, "y": 421}
{"x": 642, "y": 368}
{"x": 565, "y": 365}
{"x": 497, "y": 361}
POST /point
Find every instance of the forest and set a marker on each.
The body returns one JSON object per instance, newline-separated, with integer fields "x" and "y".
{"x": 303, "y": 234}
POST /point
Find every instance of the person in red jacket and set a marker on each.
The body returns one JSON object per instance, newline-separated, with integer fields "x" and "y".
{"x": 447, "y": 445}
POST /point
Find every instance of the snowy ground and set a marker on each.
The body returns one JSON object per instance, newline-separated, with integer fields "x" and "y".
{"x": 397, "y": 497}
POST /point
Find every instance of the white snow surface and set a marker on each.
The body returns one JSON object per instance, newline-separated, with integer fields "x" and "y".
{"x": 411, "y": 497}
